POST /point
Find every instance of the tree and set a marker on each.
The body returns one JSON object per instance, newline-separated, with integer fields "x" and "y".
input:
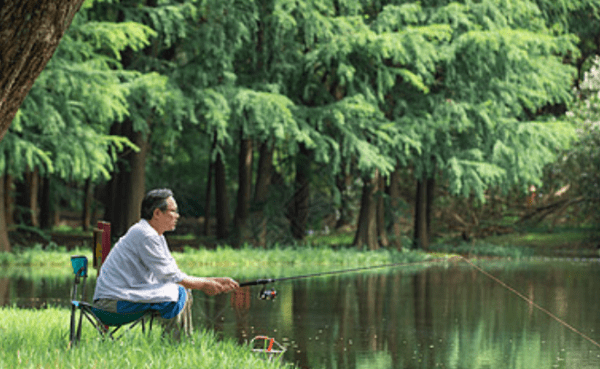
{"x": 457, "y": 91}
{"x": 31, "y": 32}
{"x": 574, "y": 179}
{"x": 62, "y": 127}
{"x": 482, "y": 122}
{"x": 156, "y": 103}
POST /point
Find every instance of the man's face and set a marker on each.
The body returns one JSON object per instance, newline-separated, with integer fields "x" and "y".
{"x": 167, "y": 220}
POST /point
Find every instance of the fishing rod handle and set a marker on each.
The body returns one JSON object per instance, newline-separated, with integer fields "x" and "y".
{"x": 257, "y": 282}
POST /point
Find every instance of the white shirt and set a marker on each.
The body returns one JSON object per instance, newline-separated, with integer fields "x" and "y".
{"x": 139, "y": 268}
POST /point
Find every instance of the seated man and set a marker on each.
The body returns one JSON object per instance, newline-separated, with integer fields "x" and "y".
{"x": 140, "y": 273}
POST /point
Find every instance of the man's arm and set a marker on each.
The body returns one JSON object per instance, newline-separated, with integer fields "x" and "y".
{"x": 210, "y": 286}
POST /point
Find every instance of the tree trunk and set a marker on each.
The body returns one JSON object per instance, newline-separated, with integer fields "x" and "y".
{"x": 261, "y": 192}
{"x": 209, "y": 183}
{"x": 421, "y": 239}
{"x": 46, "y": 205}
{"x": 222, "y": 200}
{"x": 242, "y": 231}
{"x": 9, "y": 200}
{"x": 126, "y": 188}
{"x": 114, "y": 188}
{"x": 393, "y": 192}
{"x": 88, "y": 199}
{"x": 343, "y": 182}
{"x": 27, "y": 198}
{"x": 136, "y": 179}
{"x": 366, "y": 232}
{"x": 299, "y": 216}
{"x": 428, "y": 207}
{"x": 30, "y": 33}
{"x": 4, "y": 241}
{"x": 381, "y": 229}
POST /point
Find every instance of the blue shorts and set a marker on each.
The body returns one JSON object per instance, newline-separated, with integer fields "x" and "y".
{"x": 167, "y": 310}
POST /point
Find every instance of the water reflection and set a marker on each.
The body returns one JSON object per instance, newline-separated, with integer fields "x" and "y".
{"x": 24, "y": 291}
{"x": 441, "y": 317}
{"x": 452, "y": 317}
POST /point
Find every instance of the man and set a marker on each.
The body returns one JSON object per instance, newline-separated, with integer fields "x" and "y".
{"x": 140, "y": 273}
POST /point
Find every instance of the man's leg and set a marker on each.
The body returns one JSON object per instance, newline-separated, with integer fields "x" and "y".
{"x": 182, "y": 323}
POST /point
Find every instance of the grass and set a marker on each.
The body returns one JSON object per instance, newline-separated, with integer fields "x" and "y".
{"x": 541, "y": 238}
{"x": 39, "y": 339}
{"x": 250, "y": 263}
{"x": 246, "y": 261}
{"x": 565, "y": 241}
{"x": 484, "y": 249}
{"x": 38, "y": 257}
{"x": 332, "y": 239}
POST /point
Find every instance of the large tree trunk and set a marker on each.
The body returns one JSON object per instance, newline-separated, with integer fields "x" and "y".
{"x": 366, "y": 232}
{"x": 242, "y": 231}
{"x": 261, "y": 192}
{"x": 4, "y": 242}
{"x": 421, "y": 239}
{"x": 222, "y": 200}
{"x": 393, "y": 191}
{"x": 29, "y": 35}
{"x": 299, "y": 216}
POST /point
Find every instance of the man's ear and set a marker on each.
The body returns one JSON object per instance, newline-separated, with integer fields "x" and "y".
{"x": 156, "y": 213}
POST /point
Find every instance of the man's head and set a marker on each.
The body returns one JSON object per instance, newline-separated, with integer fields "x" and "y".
{"x": 160, "y": 210}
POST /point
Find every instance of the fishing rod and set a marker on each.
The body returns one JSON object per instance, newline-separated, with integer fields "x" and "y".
{"x": 269, "y": 294}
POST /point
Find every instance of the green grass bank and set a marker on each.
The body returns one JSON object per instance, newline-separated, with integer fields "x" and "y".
{"x": 39, "y": 339}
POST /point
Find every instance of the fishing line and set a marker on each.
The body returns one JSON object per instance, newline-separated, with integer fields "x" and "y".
{"x": 530, "y": 301}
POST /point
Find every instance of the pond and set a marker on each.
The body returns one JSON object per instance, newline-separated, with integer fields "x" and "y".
{"x": 445, "y": 316}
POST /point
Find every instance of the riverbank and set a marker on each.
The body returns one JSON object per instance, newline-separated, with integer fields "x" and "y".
{"x": 34, "y": 338}
{"x": 39, "y": 339}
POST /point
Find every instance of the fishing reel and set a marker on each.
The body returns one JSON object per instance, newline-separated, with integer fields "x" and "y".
{"x": 267, "y": 294}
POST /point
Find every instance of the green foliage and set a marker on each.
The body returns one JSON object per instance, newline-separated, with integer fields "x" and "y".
{"x": 450, "y": 89}
{"x": 265, "y": 115}
{"x": 29, "y": 344}
{"x": 360, "y": 131}
{"x": 62, "y": 127}
{"x": 578, "y": 165}
{"x": 115, "y": 37}
{"x": 480, "y": 124}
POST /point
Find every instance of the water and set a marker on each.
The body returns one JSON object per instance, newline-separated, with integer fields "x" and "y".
{"x": 449, "y": 316}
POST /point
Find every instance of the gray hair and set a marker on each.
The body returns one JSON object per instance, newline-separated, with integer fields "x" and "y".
{"x": 155, "y": 199}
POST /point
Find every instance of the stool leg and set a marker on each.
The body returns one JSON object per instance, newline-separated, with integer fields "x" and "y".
{"x": 72, "y": 332}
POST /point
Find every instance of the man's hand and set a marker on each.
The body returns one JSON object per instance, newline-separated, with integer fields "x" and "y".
{"x": 211, "y": 286}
